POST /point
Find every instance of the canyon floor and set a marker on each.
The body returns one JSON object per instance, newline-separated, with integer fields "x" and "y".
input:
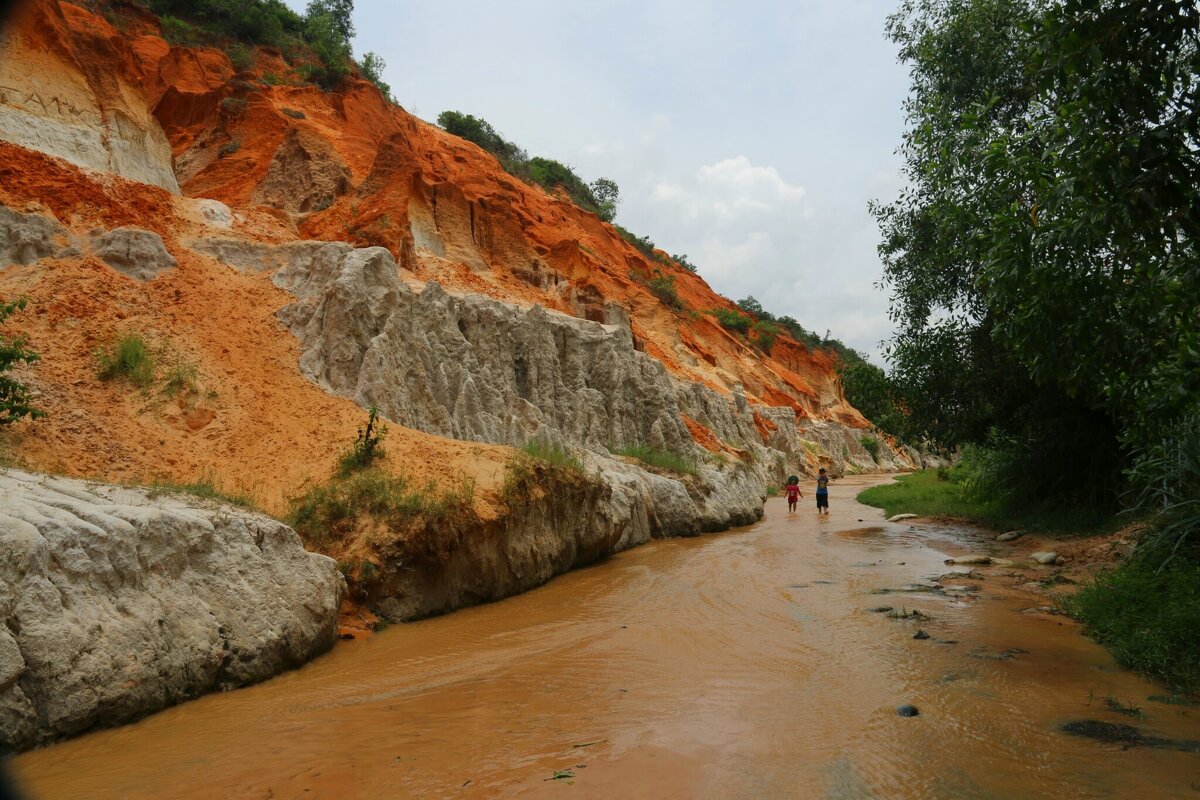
{"x": 753, "y": 663}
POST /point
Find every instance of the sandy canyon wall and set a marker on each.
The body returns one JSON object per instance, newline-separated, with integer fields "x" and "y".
{"x": 329, "y": 253}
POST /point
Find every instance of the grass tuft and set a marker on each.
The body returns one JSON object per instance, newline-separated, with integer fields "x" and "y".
{"x": 328, "y": 512}
{"x": 659, "y": 459}
{"x": 130, "y": 358}
{"x": 1149, "y": 619}
{"x": 205, "y": 488}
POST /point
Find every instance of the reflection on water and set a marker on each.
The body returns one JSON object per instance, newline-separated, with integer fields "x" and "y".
{"x": 739, "y": 665}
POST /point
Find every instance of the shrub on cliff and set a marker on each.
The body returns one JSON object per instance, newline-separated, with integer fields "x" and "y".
{"x": 479, "y": 131}
{"x": 367, "y": 447}
{"x": 419, "y": 519}
{"x": 765, "y": 334}
{"x": 14, "y": 395}
{"x": 600, "y": 197}
{"x": 371, "y": 67}
{"x": 731, "y": 320}
{"x": 267, "y": 22}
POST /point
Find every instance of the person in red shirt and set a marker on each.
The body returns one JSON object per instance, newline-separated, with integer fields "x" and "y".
{"x": 792, "y": 490}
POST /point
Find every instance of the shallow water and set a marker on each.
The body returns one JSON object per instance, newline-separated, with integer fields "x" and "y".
{"x": 738, "y": 665}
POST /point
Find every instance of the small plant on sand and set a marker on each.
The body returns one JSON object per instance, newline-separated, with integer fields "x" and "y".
{"x": 367, "y": 447}
{"x": 229, "y": 148}
{"x": 129, "y": 358}
{"x": 291, "y": 112}
{"x": 181, "y": 380}
{"x": 14, "y": 395}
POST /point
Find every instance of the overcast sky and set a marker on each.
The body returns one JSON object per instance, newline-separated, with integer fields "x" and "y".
{"x": 749, "y": 135}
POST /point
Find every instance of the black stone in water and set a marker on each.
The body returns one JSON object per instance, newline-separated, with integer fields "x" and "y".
{"x": 908, "y": 711}
{"x": 920, "y": 635}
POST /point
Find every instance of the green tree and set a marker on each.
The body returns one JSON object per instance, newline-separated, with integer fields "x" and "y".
{"x": 15, "y": 402}
{"x": 868, "y": 388}
{"x": 340, "y": 14}
{"x": 1043, "y": 260}
{"x": 372, "y": 67}
{"x": 607, "y": 196}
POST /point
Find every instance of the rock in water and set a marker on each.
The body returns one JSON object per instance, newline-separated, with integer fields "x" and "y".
{"x": 920, "y": 635}
{"x": 901, "y": 517}
{"x": 908, "y": 711}
{"x": 119, "y": 603}
{"x": 1045, "y": 557}
{"x": 1010, "y": 536}
{"x": 976, "y": 560}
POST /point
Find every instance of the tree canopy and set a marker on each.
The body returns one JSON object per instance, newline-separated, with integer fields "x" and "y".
{"x": 1042, "y": 260}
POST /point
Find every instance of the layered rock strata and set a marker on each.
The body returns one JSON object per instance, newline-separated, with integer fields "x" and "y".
{"x": 118, "y": 602}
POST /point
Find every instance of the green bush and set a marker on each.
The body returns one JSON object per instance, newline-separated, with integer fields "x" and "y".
{"x": 924, "y": 493}
{"x": 241, "y": 57}
{"x": 229, "y": 148}
{"x": 871, "y": 445}
{"x": 14, "y": 350}
{"x": 267, "y": 22}
{"x": 328, "y": 512}
{"x": 233, "y": 106}
{"x": 643, "y": 244}
{"x": 659, "y": 459}
{"x": 129, "y": 358}
{"x": 1149, "y": 618}
{"x": 367, "y": 447}
{"x": 372, "y": 67}
{"x": 663, "y": 287}
{"x": 731, "y": 320}
{"x": 480, "y": 132}
{"x": 553, "y": 175}
{"x": 293, "y": 113}
{"x": 177, "y": 31}
{"x": 682, "y": 260}
{"x": 765, "y": 334}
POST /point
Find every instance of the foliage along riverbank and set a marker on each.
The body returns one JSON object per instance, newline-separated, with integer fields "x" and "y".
{"x": 1145, "y": 610}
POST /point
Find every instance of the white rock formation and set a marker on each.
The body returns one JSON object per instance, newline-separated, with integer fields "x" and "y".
{"x": 117, "y": 602}
{"x": 26, "y": 238}
{"x": 136, "y": 253}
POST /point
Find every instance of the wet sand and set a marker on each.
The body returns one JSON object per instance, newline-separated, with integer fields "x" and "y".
{"x": 736, "y": 665}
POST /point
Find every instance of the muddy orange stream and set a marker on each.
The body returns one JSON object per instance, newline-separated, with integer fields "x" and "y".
{"x": 739, "y": 665}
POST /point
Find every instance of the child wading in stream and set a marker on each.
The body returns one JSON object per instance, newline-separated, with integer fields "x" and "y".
{"x": 792, "y": 490}
{"x": 822, "y": 492}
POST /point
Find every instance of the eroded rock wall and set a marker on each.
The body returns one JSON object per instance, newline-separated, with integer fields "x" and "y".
{"x": 117, "y": 603}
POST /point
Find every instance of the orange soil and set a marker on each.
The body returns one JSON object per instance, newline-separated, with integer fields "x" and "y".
{"x": 442, "y": 205}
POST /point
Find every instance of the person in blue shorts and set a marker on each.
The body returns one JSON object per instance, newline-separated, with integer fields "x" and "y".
{"x": 822, "y": 492}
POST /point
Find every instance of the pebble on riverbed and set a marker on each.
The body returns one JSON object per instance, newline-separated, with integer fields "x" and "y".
{"x": 908, "y": 711}
{"x": 920, "y": 635}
